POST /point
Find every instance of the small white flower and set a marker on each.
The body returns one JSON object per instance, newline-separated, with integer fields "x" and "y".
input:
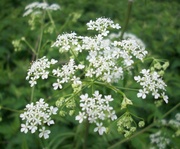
{"x": 39, "y": 69}
{"x": 37, "y": 6}
{"x": 100, "y": 128}
{"x": 24, "y": 128}
{"x": 81, "y": 117}
{"x": 44, "y": 133}
{"x": 57, "y": 85}
{"x": 142, "y": 93}
{"x": 165, "y": 97}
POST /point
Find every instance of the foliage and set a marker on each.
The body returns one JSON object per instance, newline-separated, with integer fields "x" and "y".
{"x": 154, "y": 22}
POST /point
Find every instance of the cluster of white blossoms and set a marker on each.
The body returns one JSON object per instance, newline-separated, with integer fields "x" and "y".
{"x": 36, "y": 116}
{"x": 38, "y": 69}
{"x": 151, "y": 82}
{"x": 36, "y": 6}
{"x": 102, "y": 59}
{"x": 126, "y": 49}
{"x": 101, "y": 25}
{"x": 158, "y": 141}
{"x": 66, "y": 74}
{"x": 96, "y": 109}
{"x": 66, "y": 41}
{"x": 106, "y": 59}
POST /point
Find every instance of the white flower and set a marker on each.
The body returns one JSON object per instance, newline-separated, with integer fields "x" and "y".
{"x": 37, "y": 6}
{"x": 96, "y": 109}
{"x": 57, "y": 85}
{"x": 100, "y": 128}
{"x": 37, "y": 114}
{"x": 142, "y": 93}
{"x": 44, "y": 133}
{"x": 165, "y": 97}
{"x": 39, "y": 69}
{"x": 65, "y": 41}
{"x": 80, "y": 117}
{"x": 101, "y": 25}
{"x": 151, "y": 82}
{"x": 24, "y": 128}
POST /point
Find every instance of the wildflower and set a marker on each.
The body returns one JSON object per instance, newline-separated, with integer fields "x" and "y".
{"x": 96, "y": 109}
{"x": 101, "y": 25}
{"x": 159, "y": 140}
{"x": 81, "y": 117}
{"x": 44, "y": 133}
{"x": 67, "y": 74}
{"x": 65, "y": 41}
{"x": 100, "y": 128}
{"x": 38, "y": 70}
{"x": 37, "y": 6}
{"x": 57, "y": 85}
{"x": 151, "y": 82}
{"x": 36, "y": 115}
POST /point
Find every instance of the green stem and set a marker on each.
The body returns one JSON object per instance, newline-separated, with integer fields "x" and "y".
{"x": 32, "y": 93}
{"x": 111, "y": 87}
{"x": 86, "y": 134}
{"x": 12, "y": 110}
{"x": 52, "y": 21}
{"x": 32, "y": 49}
{"x": 127, "y": 18}
{"x": 143, "y": 130}
{"x": 41, "y": 35}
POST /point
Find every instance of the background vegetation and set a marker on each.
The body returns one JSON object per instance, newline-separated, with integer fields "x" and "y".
{"x": 156, "y": 22}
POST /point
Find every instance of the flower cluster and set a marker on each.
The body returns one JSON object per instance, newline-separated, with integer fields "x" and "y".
{"x": 36, "y": 6}
{"x": 159, "y": 141}
{"x": 96, "y": 109}
{"x": 38, "y": 69}
{"x": 66, "y": 41}
{"x": 106, "y": 59}
{"x": 126, "y": 124}
{"x": 129, "y": 48}
{"x": 173, "y": 123}
{"x": 101, "y": 25}
{"x": 37, "y": 115}
{"x": 151, "y": 82}
{"x": 66, "y": 74}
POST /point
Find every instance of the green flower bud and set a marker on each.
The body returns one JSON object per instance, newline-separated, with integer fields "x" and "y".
{"x": 161, "y": 73}
{"x": 62, "y": 113}
{"x": 127, "y": 134}
{"x": 126, "y": 102}
{"x": 133, "y": 129}
{"x": 166, "y": 64}
{"x": 157, "y": 66}
{"x": 71, "y": 112}
{"x": 141, "y": 124}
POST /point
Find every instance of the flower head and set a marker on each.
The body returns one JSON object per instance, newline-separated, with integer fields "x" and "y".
{"x": 96, "y": 110}
{"x": 151, "y": 82}
{"x": 36, "y": 115}
{"x": 39, "y": 70}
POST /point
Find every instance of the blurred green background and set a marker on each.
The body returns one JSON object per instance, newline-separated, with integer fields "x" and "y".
{"x": 156, "y": 22}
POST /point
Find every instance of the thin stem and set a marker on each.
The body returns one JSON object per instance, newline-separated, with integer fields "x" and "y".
{"x": 86, "y": 134}
{"x": 41, "y": 35}
{"x": 110, "y": 86}
{"x": 12, "y": 110}
{"x": 52, "y": 21}
{"x": 126, "y": 88}
{"x": 143, "y": 130}
{"x": 127, "y": 18}
{"x": 28, "y": 44}
{"x": 32, "y": 93}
